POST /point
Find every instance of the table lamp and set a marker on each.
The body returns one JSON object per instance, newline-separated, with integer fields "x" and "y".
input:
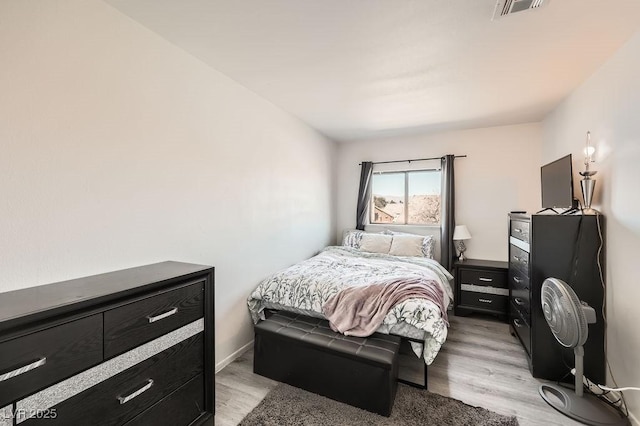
{"x": 461, "y": 233}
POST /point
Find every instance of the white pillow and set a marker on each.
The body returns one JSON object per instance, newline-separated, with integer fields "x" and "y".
{"x": 428, "y": 242}
{"x": 376, "y": 243}
{"x": 407, "y": 245}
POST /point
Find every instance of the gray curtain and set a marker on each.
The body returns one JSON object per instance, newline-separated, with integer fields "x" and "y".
{"x": 448, "y": 213}
{"x": 363, "y": 194}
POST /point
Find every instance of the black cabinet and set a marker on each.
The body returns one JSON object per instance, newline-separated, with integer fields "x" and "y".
{"x": 568, "y": 247}
{"x": 110, "y": 349}
{"x": 481, "y": 286}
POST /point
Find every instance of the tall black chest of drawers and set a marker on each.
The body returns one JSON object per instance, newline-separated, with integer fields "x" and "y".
{"x": 568, "y": 247}
{"x": 130, "y": 347}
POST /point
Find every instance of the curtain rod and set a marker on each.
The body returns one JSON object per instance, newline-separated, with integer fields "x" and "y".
{"x": 417, "y": 159}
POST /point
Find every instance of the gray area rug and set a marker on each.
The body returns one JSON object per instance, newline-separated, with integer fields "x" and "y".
{"x": 286, "y": 405}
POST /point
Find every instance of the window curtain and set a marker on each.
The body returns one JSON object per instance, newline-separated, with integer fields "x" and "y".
{"x": 447, "y": 217}
{"x": 363, "y": 194}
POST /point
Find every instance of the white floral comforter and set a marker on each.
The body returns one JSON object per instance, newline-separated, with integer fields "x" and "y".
{"x": 305, "y": 287}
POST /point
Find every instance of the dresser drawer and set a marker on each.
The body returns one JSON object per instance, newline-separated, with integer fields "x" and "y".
{"x": 521, "y": 328}
{"x": 480, "y": 277}
{"x": 125, "y": 395}
{"x": 484, "y": 301}
{"x": 522, "y": 302}
{"x": 518, "y": 280}
{"x": 520, "y": 230}
{"x": 520, "y": 291}
{"x": 519, "y": 259}
{"x": 139, "y": 322}
{"x": 32, "y": 362}
{"x": 185, "y": 405}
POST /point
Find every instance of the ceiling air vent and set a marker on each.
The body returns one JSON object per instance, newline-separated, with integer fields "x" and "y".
{"x": 507, "y": 7}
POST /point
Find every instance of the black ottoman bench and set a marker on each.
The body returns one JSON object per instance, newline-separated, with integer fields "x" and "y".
{"x": 305, "y": 352}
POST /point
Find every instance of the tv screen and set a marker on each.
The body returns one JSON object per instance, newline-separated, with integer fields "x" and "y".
{"x": 557, "y": 184}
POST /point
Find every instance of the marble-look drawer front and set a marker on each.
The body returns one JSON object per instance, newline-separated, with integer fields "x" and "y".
{"x": 56, "y": 394}
{"x": 133, "y": 324}
{"x": 484, "y": 289}
{"x": 6, "y": 416}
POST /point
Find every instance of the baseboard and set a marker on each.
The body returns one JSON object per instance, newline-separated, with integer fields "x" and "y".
{"x": 228, "y": 360}
{"x": 634, "y": 420}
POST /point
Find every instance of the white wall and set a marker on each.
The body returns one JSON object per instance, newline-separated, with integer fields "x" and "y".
{"x": 501, "y": 173}
{"x": 607, "y": 104}
{"x": 119, "y": 149}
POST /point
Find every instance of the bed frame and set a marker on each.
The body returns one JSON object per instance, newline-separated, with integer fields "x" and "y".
{"x": 420, "y": 360}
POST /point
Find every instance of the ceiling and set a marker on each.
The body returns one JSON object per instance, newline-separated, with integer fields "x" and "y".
{"x": 359, "y": 69}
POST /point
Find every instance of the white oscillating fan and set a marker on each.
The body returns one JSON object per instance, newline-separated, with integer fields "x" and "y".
{"x": 568, "y": 317}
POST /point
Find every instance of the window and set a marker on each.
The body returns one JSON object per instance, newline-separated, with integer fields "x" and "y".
{"x": 406, "y": 197}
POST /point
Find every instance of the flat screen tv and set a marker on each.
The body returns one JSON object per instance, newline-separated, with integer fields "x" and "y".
{"x": 557, "y": 184}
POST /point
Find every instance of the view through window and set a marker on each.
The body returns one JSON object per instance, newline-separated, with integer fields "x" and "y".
{"x": 406, "y": 198}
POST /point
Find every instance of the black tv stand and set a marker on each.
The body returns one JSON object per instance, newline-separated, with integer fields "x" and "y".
{"x": 571, "y": 210}
{"x": 548, "y": 208}
{"x": 574, "y": 208}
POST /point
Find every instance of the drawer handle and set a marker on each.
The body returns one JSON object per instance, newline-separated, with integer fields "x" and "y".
{"x": 518, "y": 230}
{"x": 517, "y": 258}
{"x": 517, "y": 280}
{"x": 170, "y": 312}
{"x": 518, "y": 301}
{"x": 517, "y": 323}
{"x": 487, "y": 280}
{"x": 21, "y": 370}
{"x": 125, "y": 399}
{"x": 485, "y": 300}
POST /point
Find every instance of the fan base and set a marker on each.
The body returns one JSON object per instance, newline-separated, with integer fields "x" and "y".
{"x": 587, "y": 409}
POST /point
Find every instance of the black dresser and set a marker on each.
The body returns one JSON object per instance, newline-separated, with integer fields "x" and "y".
{"x": 129, "y": 347}
{"x": 564, "y": 247}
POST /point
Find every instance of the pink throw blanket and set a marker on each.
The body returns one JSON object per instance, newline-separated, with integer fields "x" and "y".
{"x": 359, "y": 311}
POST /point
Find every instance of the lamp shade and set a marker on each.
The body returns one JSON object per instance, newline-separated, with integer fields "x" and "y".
{"x": 461, "y": 233}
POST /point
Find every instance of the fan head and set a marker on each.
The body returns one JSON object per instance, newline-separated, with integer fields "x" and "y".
{"x": 564, "y": 313}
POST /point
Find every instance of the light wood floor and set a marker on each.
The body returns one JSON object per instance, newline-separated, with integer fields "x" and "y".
{"x": 480, "y": 364}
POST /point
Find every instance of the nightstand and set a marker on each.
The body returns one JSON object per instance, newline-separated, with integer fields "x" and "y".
{"x": 481, "y": 286}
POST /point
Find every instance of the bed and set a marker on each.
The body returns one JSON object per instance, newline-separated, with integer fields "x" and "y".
{"x": 307, "y": 286}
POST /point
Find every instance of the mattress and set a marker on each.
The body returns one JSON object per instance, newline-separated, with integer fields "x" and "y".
{"x": 306, "y": 286}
